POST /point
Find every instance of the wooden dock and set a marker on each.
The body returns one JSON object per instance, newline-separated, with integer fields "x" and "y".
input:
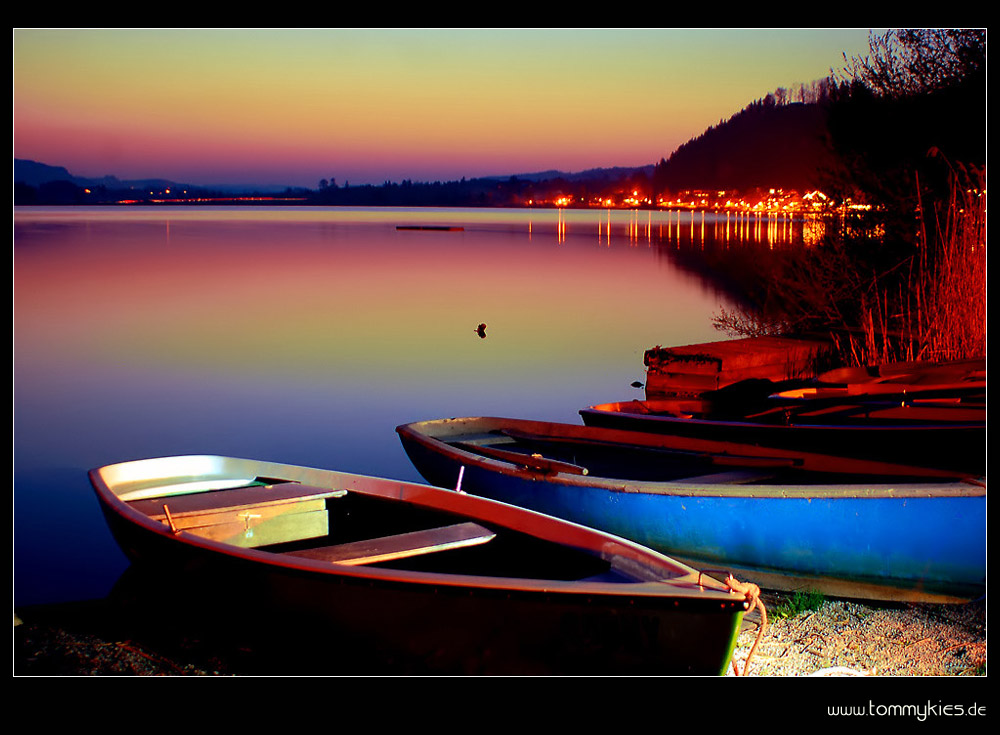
{"x": 694, "y": 369}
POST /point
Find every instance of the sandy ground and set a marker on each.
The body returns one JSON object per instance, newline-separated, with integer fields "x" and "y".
{"x": 840, "y": 638}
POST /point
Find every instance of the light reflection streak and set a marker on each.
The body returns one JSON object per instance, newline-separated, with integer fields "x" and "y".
{"x": 677, "y": 227}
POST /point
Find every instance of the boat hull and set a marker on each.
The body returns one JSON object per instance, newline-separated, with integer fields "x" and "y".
{"x": 447, "y": 623}
{"x": 911, "y": 542}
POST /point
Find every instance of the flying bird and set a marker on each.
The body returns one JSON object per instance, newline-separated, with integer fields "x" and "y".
{"x": 481, "y": 331}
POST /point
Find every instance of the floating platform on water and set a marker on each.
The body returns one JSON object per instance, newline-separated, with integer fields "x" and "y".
{"x": 693, "y": 369}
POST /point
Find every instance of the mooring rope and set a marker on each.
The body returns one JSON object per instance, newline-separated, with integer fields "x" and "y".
{"x": 752, "y": 592}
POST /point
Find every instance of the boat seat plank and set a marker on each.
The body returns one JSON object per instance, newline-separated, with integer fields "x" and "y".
{"x": 236, "y": 499}
{"x": 400, "y": 546}
{"x": 283, "y": 524}
{"x": 256, "y": 515}
{"x": 488, "y": 438}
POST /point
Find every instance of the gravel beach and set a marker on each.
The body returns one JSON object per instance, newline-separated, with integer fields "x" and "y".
{"x": 843, "y": 638}
{"x": 838, "y": 638}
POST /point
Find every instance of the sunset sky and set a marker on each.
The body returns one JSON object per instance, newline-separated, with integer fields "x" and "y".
{"x": 292, "y": 107}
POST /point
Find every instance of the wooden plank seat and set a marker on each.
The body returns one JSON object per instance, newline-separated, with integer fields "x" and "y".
{"x": 256, "y": 515}
{"x": 400, "y": 546}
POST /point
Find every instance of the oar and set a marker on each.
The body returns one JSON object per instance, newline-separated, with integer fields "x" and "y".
{"x": 530, "y": 461}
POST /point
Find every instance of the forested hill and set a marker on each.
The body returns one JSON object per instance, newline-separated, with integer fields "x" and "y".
{"x": 765, "y": 145}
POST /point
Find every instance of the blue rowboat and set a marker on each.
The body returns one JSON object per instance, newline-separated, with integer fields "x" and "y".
{"x": 785, "y": 520}
{"x": 451, "y": 582}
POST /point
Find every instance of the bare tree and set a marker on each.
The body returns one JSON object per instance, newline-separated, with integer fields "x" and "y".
{"x": 915, "y": 61}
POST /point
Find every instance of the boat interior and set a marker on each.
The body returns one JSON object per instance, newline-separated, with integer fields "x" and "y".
{"x": 641, "y": 463}
{"x": 348, "y": 527}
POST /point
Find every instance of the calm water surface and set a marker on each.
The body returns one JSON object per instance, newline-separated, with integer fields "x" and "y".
{"x": 307, "y": 335}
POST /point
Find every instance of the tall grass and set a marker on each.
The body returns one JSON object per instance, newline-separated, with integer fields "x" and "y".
{"x": 953, "y": 322}
{"x": 938, "y": 310}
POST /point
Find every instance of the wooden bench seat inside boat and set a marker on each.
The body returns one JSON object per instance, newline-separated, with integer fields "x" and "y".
{"x": 256, "y": 515}
{"x": 400, "y": 546}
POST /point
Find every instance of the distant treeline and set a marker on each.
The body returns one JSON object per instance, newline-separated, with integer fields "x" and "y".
{"x": 485, "y": 192}
{"x": 482, "y": 192}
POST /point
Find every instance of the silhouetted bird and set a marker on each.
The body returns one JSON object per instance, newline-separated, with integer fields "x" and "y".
{"x": 481, "y": 331}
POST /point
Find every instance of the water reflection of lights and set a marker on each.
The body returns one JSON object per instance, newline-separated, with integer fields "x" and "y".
{"x": 636, "y": 230}
{"x": 693, "y": 228}
{"x": 812, "y": 231}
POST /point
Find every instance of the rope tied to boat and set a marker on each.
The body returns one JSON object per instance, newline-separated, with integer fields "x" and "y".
{"x": 752, "y": 593}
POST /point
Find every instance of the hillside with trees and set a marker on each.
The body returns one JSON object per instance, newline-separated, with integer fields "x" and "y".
{"x": 769, "y": 144}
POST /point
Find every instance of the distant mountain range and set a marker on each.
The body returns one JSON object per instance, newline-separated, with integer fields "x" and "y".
{"x": 37, "y": 174}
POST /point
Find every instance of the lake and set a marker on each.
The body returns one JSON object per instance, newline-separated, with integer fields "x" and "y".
{"x": 306, "y": 335}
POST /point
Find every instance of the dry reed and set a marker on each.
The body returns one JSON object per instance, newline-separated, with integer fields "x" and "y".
{"x": 938, "y": 312}
{"x": 953, "y": 318}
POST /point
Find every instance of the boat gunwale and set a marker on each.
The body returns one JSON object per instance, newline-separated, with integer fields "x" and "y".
{"x": 691, "y": 586}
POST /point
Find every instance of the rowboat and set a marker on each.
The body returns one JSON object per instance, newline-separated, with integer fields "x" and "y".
{"x": 914, "y": 374}
{"x": 459, "y": 583}
{"x": 942, "y": 428}
{"x": 784, "y": 520}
